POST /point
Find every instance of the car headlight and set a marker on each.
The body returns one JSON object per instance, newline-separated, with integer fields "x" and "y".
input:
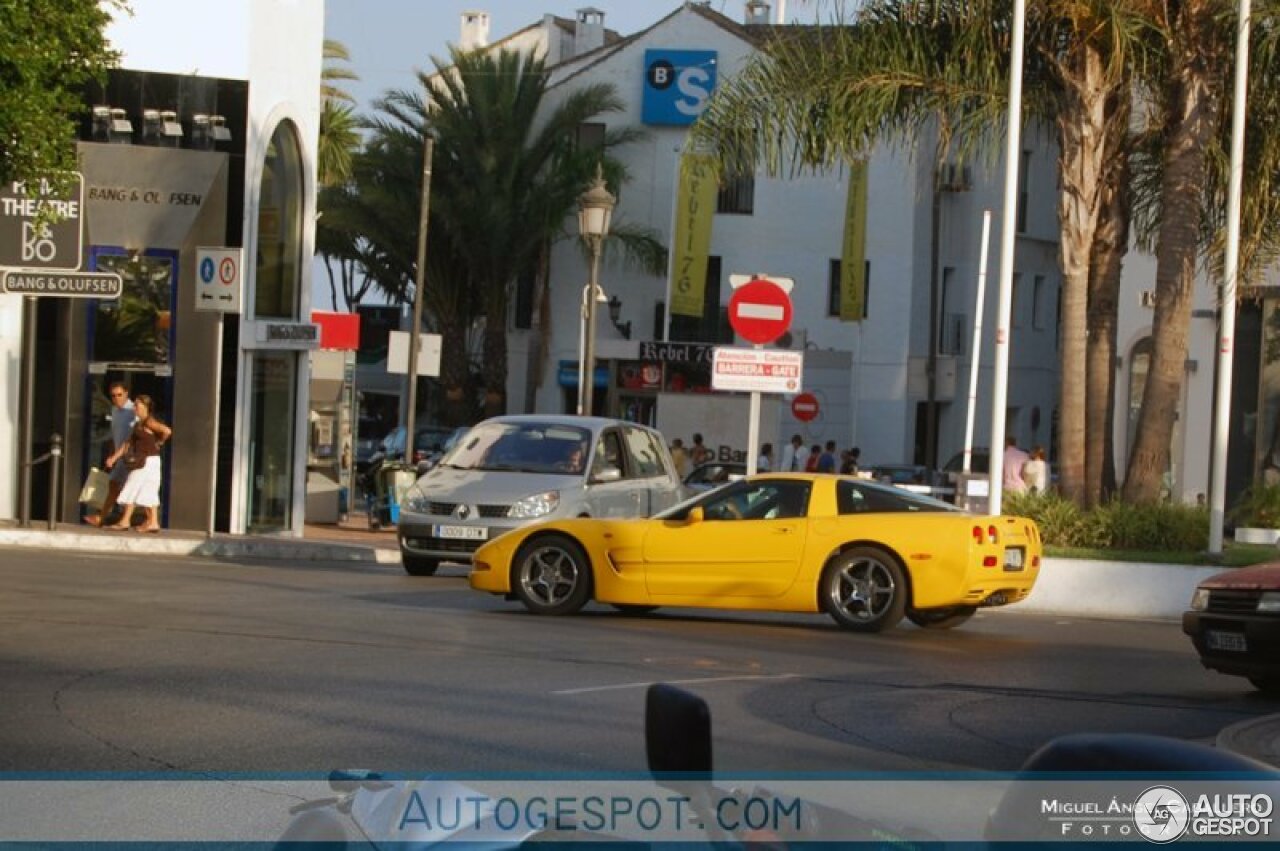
{"x": 1269, "y": 601}
{"x": 415, "y": 499}
{"x": 1200, "y": 600}
{"x": 538, "y": 505}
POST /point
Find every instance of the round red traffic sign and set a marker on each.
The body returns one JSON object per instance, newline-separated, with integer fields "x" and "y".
{"x": 760, "y": 311}
{"x": 804, "y": 407}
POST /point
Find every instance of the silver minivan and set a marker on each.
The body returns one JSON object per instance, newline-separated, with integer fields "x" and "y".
{"x": 509, "y": 471}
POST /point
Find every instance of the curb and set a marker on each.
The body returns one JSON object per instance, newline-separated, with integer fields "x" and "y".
{"x": 229, "y": 547}
{"x": 1114, "y": 589}
{"x": 1257, "y": 738}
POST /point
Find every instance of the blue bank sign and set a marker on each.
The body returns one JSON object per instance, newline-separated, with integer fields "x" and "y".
{"x": 677, "y": 84}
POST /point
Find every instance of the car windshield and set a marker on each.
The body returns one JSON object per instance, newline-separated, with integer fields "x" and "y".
{"x": 522, "y": 448}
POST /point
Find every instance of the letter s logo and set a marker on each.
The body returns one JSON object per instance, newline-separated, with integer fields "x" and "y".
{"x": 695, "y": 85}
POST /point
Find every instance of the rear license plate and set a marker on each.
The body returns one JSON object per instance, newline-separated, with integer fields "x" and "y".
{"x": 1013, "y": 558}
{"x": 461, "y": 533}
{"x": 1232, "y": 641}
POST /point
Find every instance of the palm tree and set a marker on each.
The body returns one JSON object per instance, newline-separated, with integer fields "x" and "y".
{"x": 906, "y": 68}
{"x": 339, "y": 127}
{"x": 509, "y": 173}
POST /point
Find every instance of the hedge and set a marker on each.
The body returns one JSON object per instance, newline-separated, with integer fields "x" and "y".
{"x": 1114, "y": 525}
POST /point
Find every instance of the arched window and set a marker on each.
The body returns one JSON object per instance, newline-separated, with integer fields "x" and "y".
{"x": 279, "y": 254}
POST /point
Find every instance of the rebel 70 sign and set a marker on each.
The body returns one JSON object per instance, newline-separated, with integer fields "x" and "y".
{"x": 30, "y": 243}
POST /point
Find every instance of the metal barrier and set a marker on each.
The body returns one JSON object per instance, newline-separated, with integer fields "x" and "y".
{"x": 54, "y": 457}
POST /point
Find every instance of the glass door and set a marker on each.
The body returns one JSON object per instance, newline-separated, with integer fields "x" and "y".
{"x": 273, "y": 402}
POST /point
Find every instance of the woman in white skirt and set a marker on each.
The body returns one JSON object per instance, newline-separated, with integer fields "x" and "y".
{"x": 142, "y": 453}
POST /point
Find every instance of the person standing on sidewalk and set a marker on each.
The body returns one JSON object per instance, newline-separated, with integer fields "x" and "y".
{"x": 122, "y": 419}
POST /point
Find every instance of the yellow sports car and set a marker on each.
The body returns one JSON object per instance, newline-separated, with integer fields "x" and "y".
{"x": 864, "y": 553}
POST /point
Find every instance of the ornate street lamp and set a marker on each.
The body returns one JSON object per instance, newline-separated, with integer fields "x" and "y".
{"x": 595, "y": 207}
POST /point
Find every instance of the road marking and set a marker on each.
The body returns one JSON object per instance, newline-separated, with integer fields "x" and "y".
{"x": 702, "y": 681}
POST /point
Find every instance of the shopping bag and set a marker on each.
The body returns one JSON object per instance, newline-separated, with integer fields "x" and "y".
{"x": 94, "y": 492}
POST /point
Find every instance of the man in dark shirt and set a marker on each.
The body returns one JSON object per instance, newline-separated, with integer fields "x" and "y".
{"x": 827, "y": 460}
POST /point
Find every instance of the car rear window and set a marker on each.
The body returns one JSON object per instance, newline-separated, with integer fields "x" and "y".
{"x": 857, "y": 497}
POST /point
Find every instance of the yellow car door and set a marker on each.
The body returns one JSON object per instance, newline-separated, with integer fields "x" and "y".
{"x": 743, "y": 540}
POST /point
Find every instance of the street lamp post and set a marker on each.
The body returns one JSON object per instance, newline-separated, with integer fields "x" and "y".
{"x": 595, "y": 206}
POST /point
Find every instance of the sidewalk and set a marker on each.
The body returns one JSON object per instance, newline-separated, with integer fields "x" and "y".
{"x": 350, "y": 541}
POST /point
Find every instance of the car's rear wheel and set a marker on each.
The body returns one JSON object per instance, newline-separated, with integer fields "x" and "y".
{"x": 944, "y": 618}
{"x": 1266, "y": 685}
{"x": 552, "y": 575}
{"x": 631, "y": 609}
{"x": 418, "y": 565}
{"x": 864, "y": 589}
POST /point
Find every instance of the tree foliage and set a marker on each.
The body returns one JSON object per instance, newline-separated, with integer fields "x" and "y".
{"x": 49, "y": 50}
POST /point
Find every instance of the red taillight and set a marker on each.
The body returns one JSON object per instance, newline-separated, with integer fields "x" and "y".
{"x": 1035, "y": 561}
{"x": 993, "y": 535}
{"x": 989, "y": 561}
{"x": 977, "y": 535}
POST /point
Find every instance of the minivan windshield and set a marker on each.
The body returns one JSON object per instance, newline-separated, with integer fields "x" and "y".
{"x": 522, "y": 448}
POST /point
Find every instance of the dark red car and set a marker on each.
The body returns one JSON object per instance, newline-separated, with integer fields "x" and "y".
{"x": 1234, "y": 623}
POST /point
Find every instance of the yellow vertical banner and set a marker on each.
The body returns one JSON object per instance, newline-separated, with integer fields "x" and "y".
{"x": 691, "y": 241}
{"x": 853, "y": 257}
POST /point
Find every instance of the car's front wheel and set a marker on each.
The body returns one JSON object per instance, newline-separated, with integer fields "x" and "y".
{"x": 944, "y": 618}
{"x": 864, "y": 589}
{"x": 1266, "y": 685}
{"x": 419, "y": 566}
{"x": 552, "y": 575}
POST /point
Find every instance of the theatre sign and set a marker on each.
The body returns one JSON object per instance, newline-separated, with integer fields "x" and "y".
{"x": 27, "y": 241}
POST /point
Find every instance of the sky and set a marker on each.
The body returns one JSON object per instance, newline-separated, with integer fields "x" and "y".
{"x": 390, "y": 39}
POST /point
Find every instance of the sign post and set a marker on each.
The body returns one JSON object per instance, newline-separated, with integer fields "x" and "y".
{"x": 760, "y": 312}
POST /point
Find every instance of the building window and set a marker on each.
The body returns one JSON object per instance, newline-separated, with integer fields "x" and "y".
{"x": 1038, "y": 295}
{"x": 591, "y": 136}
{"x": 834, "y": 269}
{"x": 1023, "y": 182}
{"x": 277, "y": 278}
{"x": 525, "y": 288}
{"x": 737, "y": 195}
{"x": 951, "y": 322}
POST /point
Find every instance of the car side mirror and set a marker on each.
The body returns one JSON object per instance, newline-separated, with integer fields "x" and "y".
{"x": 695, "y": 515}
{"x": 677, "y": 731}
{"x": 607, "y": 474}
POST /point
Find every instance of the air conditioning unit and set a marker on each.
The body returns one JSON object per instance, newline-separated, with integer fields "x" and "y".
{"x": 953, "y": 177}
{"x": 1147, "y": 298}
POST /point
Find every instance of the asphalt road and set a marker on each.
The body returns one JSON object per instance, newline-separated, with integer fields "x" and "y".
{"x": 114, "y": 664}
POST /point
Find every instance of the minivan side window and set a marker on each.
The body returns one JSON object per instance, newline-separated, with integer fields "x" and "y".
{"x": 647, "y": 457}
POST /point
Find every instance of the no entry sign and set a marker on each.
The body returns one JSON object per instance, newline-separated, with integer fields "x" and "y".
{"x": 804, "y": 407}
{"x": 760, "y": 311}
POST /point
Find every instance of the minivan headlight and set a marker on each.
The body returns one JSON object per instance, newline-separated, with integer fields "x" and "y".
{"x": 1200, "y": 600}
{"x": 415, "y": 499}
{"x": 538, "y": 505}
{"x": 1269, "y": 601}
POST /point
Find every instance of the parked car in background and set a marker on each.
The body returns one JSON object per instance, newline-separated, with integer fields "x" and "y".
{"x": 1234, "y": 623}
{"x": 864, "y": 553}
{"x": 713, "y": 474}
{"x": 509, "y": 471}
{"x": 916, "y": 478}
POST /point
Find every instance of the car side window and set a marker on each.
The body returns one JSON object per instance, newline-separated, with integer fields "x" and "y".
{"x": 770, "y": 500}
{"x": 646, "y": 457}
{"x": 856, "y": 498}
{"x": 608, "y": 454}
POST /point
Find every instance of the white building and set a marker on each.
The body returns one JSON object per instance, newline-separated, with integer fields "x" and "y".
{"x": 870, "y": 376}
{"x": 213, "y": 144}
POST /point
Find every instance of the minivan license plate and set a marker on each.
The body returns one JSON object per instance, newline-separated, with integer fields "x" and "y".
{"x": 1013, "y": 559}
{"x": 461, "y": 533}
{"x": 1233, "y": 641}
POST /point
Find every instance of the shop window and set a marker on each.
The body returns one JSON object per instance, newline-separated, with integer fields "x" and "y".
{"x": 279, "y": 256}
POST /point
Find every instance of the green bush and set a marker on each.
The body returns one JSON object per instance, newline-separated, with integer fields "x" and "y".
{"x": 1114, "y": 525}
{"x": 1259, "y": 507}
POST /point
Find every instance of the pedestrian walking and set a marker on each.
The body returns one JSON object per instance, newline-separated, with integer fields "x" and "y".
{"x": 700, "y": 454}
{"x": 764, "y": 463}
{"x": 827, "y": 460}
{"x": 794, "y": 455}
{"x": 1014, "y": 460}
{"x": 1035, "y": 472}
{"x": 680, "y": 458}
{"x": 122, "y": 419}
{"x": 140, "y": 454}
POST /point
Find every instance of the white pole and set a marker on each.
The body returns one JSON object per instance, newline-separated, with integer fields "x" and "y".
{"x": 753, "y": 432}
{"x": 582, "y": 345}
{"x": 1231, "y": 271}
{"x": 1000, "y": 392}
{"x": 977, "y": 341}
{"x": 782, "y": 12}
